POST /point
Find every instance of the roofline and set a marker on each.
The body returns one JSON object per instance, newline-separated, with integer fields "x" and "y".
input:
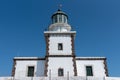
{"x": 28, "y": 58}
{"x": 77, "y": 58}
{"x": 56, "y": 32}
{"x": 91, "y": 58}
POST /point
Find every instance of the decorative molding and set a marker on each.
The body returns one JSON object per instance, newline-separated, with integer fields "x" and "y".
{"x": 13, "y": 69}
{"x": 72, "y": 44}
{"x": 60, "y": 56}
{"x": 73, "y": 54}
{"x": 59, "y": 35}
{"x": 47, "y": 44}
{"x": 75, "y": 68}
{"x": 105, "y": 67}
{"x": 28, "y": 59}
{"x": 47, "y": 33}
{"x": 87, "y": 58}
{"x": 47, "y": 54}
{"x": 46, "y": 66}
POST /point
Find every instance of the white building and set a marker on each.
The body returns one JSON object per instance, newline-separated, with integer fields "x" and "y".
{"x": 60, "y": 62}
{"x": 60, "y": 59}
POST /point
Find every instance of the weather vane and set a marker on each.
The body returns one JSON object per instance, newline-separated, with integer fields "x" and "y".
{"x": 60, "y": 6}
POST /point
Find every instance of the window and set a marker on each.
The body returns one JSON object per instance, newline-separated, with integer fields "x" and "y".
{"x": 60, "y": 72}
{"x": 60, "y": 18}
{"x": 65, "y": 19}
{"x": 54, "y": 19}
{"x": 60, "y": 46}
{"x": 30, "y": 71}
{"x": 89, "y": 71}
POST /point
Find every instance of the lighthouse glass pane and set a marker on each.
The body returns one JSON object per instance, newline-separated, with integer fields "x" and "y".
{"x": 65, "y": 19}
{"x": 30, "y": 71}
{"x": 60, "y": 46}
{"x": 89, "y": 71}
{"x": 60, "y": 18}
{"x": 60, "y": 72}
{"x": 55, "y": 19}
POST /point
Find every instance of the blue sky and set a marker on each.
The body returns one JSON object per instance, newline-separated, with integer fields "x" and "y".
{"x": 22, "y": 23}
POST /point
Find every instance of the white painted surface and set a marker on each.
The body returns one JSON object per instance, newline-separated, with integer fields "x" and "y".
{"x": 60, "y": 62}
{"x": 97, "y": 65}
{"x": 61, "y": 78}
{"x": 22, "y": 67}
{"x": 60, "y": 27}
{"x": 53, "y": 44}
{"x": 55, "y": 63}
{"x": 51, "y": 32}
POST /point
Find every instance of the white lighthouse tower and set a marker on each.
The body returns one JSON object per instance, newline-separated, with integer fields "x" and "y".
{"x": 60, "y": 55}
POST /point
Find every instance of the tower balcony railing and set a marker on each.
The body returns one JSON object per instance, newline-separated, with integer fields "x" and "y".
{"x": 60, "y": 78}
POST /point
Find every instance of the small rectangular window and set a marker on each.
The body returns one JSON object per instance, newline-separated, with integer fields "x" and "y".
{"x": 30, "y": 71}
{"x": 60, "y": 46}
{"x": 60, "y": 72}
{"x": 89, "y": 71}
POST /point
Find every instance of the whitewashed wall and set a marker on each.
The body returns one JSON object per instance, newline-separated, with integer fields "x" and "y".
{"x": 97, "y": 65}
{"x": 55, "y": 63}
{"x": 61, "y": 78}
{"x": 22, "y": 66}
{"x": 60, "y": 62}
{"x": 53, "y": 45}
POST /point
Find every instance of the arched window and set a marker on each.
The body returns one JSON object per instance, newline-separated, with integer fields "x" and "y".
{"x": 60, "y": 72}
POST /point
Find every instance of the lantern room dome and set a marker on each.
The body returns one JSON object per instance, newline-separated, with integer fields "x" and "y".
{"x": 59, "y": 22}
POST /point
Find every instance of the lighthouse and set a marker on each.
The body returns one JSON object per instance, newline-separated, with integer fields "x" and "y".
{"x": 60, "y": 54}
{"x": 60, "y": 58}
